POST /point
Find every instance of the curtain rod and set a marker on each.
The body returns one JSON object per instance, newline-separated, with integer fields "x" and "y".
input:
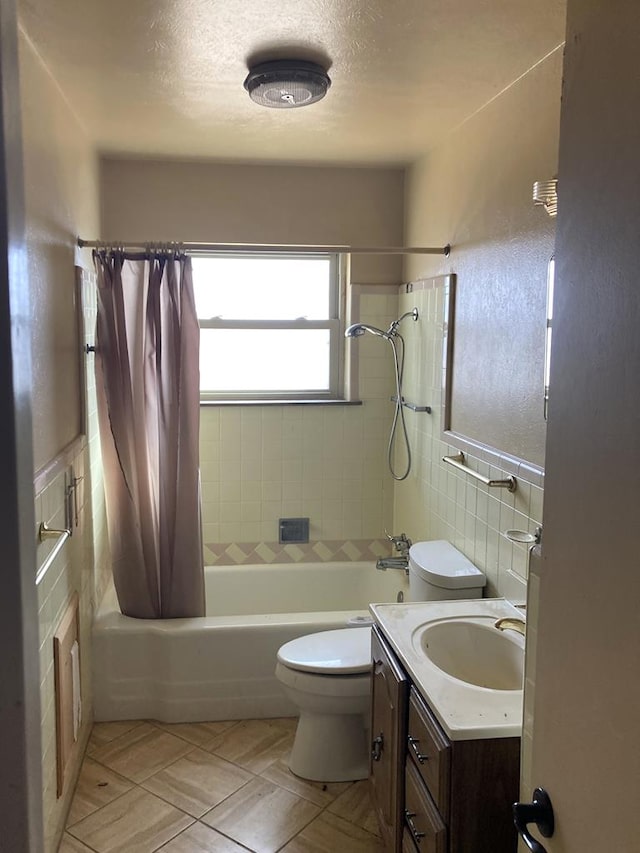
{"x": 270, "y": 247}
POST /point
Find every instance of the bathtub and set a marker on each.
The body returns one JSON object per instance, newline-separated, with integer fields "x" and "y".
{"x": 221, "y": 666}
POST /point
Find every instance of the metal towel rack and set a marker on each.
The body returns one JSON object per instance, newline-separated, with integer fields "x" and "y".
{"x": 46, "y": 532}
{"x": 458, "y": 462}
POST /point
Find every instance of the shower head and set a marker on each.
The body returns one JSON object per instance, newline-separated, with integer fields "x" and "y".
{"x": 392, "y": 332}
{"x": 359, "y": 329}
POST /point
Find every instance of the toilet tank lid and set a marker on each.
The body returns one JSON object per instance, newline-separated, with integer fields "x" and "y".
{"x": 439, "y": 563}
{"x": 344, "y": 651}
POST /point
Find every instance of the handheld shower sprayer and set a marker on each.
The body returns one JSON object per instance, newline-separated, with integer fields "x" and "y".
{"x": 393, "y": 336}
{"x": 358, "y": 329}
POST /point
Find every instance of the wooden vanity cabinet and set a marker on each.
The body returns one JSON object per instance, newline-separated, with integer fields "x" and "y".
{"x": 470, "y": 783}
{"x": 431, "y": 794}
{"x": 389, "y": 693}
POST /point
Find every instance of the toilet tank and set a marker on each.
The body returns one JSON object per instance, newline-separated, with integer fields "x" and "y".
{"x": 438, "y": 572}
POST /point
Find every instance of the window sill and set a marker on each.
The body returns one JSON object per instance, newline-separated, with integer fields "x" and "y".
{"x": 267, "y": 402}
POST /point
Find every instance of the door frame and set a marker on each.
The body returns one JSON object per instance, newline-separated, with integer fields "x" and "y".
{"x": 20, "y": 736}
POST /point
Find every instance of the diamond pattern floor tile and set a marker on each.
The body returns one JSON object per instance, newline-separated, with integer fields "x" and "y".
{"x": 254, "y": 744}
{"x": 97, "y": 786}
{"x": 197, "y": 782}
{"x": 149, "y": 787}
{"x": 141, "y": 752}
{"x": 103, "y": 733}
{"x": 198, "y": 838}
{"x": 137, "y": 822}
{"x": 320, "y": 793}
{"x": 329, "y": 833}
{"x": 261, "y": 816}
{"x": 199, "y": 734}
{"x": 354, "y": 805}
{"x": 69, "y": 844}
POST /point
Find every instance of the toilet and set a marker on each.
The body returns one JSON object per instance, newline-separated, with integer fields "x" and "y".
{"x": 439, "y": 572}
{"x": 327, "y": 675}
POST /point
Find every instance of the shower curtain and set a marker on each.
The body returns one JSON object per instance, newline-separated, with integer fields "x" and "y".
{"x": 147, "y": 376}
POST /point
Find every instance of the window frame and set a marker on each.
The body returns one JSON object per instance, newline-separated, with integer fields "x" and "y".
{"x": 334, "y": 324}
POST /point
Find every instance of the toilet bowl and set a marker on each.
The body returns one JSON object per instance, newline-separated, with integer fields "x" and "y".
{"x": 328, "y": 676}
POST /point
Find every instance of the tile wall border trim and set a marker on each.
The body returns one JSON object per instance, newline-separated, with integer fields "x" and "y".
{"x": 316, "y": 551}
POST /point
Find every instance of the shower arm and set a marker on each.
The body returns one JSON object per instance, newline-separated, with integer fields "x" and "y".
{"x": 392, "y": 330}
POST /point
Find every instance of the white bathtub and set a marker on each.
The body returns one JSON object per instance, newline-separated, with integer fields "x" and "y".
{"x": 221, "y": 666}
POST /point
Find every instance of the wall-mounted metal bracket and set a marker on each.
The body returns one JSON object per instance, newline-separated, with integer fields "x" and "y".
{"x": 412, "y": 406}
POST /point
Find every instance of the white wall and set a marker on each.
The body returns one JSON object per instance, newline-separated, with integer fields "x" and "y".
{"x": 61, "y": 201}
{"x": 60, "y": 198}
{"x": 250, "y": 203}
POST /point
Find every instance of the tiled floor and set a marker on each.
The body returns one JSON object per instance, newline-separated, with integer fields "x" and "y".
{"x": 210, "y": 788}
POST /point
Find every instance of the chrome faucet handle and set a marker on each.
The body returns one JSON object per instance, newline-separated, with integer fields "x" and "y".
{"x": 401, "y": 543}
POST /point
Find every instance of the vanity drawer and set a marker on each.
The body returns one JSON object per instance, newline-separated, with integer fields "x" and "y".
{"x": 430, "y": 751}
{"x": 423, "y": 822}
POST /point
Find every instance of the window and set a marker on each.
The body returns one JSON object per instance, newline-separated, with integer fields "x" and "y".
{"x": 269, "y": 326}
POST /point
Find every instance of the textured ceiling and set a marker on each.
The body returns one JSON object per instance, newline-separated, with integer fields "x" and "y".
{"x": 164, "y": 77}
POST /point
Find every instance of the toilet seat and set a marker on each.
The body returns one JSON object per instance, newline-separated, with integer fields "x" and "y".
{"x": 331, "y": 686}
{"x": 342, "y": 652}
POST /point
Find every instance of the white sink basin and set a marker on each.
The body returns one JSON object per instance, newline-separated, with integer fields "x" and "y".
{"x": 469, "y": 672}
{"x": 474, "y": 651}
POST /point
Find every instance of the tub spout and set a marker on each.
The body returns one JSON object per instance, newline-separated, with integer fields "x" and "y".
{"x": 385, "y": 563}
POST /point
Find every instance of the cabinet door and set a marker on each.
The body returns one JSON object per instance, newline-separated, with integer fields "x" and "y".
{"x": 388, "y": 732}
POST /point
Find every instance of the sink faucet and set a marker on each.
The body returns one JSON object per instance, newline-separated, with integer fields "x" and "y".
{"x": 402, "y": 544}
{"x": 509, "y": 623}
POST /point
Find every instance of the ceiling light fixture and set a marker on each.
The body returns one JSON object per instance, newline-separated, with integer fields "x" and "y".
{"x": 287, "y": 83}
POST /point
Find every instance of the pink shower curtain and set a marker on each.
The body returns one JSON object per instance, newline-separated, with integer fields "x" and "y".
{"x": 147, "y": 374}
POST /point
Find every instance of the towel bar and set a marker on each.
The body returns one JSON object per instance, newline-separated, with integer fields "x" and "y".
{"x": 45, "y": 532}
{"x": 458, "y": 462}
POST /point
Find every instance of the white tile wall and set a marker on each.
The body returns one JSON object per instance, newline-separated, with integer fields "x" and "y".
{"x": 259, "y": 464}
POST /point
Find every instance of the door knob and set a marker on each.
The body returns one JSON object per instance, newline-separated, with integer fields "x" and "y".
{"x": 540, "y": 812}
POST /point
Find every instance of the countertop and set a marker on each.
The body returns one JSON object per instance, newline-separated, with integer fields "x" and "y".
{"x": 465, "y": 711}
